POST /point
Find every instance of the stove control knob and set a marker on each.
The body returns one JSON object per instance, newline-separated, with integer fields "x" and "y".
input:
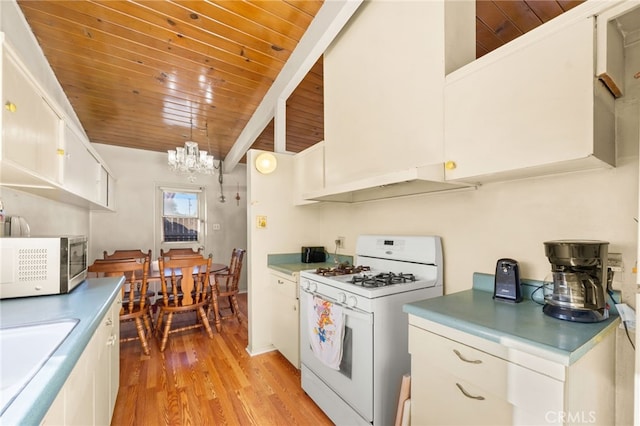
{"x": 305, "y": 284}
{"x": 352, "y": 302}
{"x": 341, "y": 297}
{"x": 313, "y": 286}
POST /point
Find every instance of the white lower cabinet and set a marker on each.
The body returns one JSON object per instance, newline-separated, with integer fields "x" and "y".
{"x": 285, "y": 330}
{"x": 455, "y": 383}
{"x": 107, "y": 377}
{"x": 89, "y": 394}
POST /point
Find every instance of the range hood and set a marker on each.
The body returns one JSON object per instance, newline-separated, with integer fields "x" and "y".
{"x": 412, "y": 181}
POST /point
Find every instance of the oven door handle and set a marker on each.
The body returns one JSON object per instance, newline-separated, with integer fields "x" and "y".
{"x": 353, "y": 312}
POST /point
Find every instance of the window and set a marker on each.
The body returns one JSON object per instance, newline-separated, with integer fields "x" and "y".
{"x": 181, "y": 215}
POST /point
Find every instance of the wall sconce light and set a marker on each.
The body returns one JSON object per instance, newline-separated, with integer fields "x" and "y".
{"x": 266, "y": 163}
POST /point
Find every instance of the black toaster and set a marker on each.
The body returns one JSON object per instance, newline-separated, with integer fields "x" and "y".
{"x": 507, "y": 281}
{"x": 313, "y": 255}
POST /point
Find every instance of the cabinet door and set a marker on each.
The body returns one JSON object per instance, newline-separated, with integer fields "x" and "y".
{"x": 285, "y": 326}
{"x": 103, "y": 187}
{"x": 114, "y": 354}
{"x": 55, "y": 415}
{"x": 383, "y": 113}
{"x": 79, "y": 389}
{"x": 103, "y": 373}
{"x": 108, "y": 366}
{"x": 81, "y": 170}
{"x": 529, "y": 108}
{"x": 308, "y": 172}
{"x": 30, "y": 128}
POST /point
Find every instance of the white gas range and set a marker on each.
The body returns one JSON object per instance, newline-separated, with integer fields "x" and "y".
{"x": 390, "y": 271}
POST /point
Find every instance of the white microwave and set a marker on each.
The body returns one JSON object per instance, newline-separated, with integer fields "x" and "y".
{"x": 38, "y": 266}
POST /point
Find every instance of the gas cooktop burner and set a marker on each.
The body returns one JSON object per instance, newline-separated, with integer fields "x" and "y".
{"x": 341, "y": 269}
{"x": 381, "y": 279}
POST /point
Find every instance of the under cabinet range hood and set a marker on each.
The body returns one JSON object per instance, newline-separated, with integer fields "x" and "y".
{"x": 412, "y": 181}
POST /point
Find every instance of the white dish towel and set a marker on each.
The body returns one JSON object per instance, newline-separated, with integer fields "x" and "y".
{"x": 326, "y": 330}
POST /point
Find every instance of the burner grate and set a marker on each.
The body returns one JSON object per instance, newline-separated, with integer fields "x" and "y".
{"x": 382, "y": 279}
{"x": 341, "y": 269}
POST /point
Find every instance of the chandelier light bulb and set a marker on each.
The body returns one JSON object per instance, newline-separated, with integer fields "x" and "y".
{"x": 190, "y": 160}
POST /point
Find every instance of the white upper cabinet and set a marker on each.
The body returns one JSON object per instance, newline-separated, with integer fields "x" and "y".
{"x": 383, "y": 88}
{"x": 41, "y": 152}
{"x": 82, "y": 172}
{"x": 30, "y": 128}
{"x": 308, "y": 170}
{"x": 530, "y": 108}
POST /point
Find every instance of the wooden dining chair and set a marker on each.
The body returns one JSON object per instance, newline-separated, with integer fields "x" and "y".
{"x": 185, "y": 289}
{"x": 134, "y": 301}
{"x": 180, "y": 252}
{"x": 225, "y": 285}
{"x": 127, "y": 254}
{"x": 140, "y": 256}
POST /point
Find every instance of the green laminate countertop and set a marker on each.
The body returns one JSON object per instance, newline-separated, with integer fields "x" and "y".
{"x": 289, "y": 263}
{"x": 476, "y": 312}
{"x": 88, "y": 303}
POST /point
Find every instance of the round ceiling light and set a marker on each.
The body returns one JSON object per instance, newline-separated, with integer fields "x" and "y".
{"x": 266, "y": 163}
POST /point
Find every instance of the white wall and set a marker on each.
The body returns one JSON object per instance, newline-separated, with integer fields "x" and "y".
{"x": 45, "y": 216}
{"x": 288, "y": 229}
{"x": 138, "y": 173}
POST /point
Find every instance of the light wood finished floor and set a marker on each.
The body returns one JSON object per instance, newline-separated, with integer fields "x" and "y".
{"x": 198, "y": 381}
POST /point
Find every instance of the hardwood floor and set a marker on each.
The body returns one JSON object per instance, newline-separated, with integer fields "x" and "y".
{"x": 198, "y": 381}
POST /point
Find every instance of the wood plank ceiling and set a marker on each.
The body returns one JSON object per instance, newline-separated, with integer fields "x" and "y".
{"x": 152, "y": 74}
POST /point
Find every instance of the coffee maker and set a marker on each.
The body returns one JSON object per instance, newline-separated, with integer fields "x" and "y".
{"x": 578, "y": 288}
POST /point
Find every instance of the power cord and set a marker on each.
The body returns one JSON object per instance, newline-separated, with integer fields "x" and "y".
{"x": 624, "y": 323}
{"x": 534, "y": 292}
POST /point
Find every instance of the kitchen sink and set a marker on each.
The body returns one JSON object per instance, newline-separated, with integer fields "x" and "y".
{"x": 24, "y": 350}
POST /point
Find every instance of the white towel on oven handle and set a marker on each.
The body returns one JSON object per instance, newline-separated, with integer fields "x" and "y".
{"x": 326, "y": 330}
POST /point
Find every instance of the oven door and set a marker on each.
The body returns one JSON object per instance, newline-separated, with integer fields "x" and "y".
{"x": 353, "y": 382}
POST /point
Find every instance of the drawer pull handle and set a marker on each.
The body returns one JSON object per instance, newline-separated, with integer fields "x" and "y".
{"x": 470, "y": 361}
{"x": 467, "y": 394}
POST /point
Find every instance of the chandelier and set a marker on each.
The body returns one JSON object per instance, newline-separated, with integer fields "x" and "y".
{"x": 191, "y": 160}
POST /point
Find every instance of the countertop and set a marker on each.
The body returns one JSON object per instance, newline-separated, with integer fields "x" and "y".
{"x": 289, "y": 263}
{"x": 88, "y": 303}
{"x": 523, "y": 324}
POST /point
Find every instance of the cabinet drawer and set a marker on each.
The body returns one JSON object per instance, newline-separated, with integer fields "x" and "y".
{"x": 481, "y": 374}
{"x": 284, "y": 288}
{"x": 464, "y": 362}
{"x": 445, "y": 403}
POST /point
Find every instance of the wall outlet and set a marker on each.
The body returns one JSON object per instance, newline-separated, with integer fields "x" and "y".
{"x": 340, "y": 242}
{"x": 616, "y": 265}
{"x": 216, "y": 226}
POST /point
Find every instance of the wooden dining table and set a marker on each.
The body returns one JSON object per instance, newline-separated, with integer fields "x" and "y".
{"x": 187, "y": 281}
{"x": 154, "y": 271}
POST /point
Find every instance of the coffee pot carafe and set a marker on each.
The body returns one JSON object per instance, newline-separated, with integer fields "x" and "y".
{"x": 578, "y": 288}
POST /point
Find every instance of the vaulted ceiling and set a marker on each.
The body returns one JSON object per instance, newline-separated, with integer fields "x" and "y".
{"x": 152, "y": 74}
